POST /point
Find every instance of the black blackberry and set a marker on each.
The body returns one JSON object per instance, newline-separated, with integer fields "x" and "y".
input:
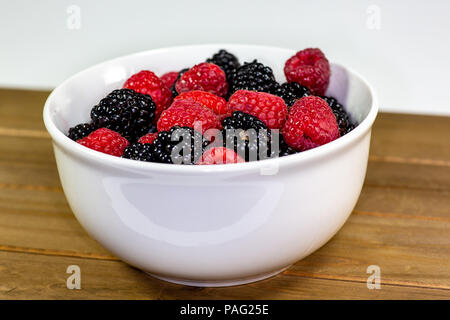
{"x": 252, "y": 76}
{"x": 138, "y": 151}
{"x": 228, "y": 62}
{"x": 125, "y": 111}
{"x": 81, "y": 130}
{"x": 242, "y": 120}
{"x": 152, "y": 129}
{"x": 172, "y": 88}
{"x": 247, "y": 136}
{"x": 179, "y": 145}
{"x": 342, "y": 117}
{"x": 291, "y": 92}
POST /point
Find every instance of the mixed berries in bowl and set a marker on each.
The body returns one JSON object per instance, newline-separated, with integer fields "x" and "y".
{"x": 236, "y": 111}
{"x": 212, "y": 165}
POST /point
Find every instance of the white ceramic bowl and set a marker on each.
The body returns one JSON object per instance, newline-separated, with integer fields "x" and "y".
{"x": 209, "y": 225}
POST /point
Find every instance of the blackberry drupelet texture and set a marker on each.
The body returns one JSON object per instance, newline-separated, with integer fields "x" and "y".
{"x": 252, "y": 76}
{"x": 342, "y": 117}
{"x": 81, "y": 130}
{"x": 152, "y": 129}
{"x": 225, "y": 60}
{"x": 179, "y": 145}
{"x": 125, "y": 111}
{"x": 242, "y": 120}
{"x": 285, "y": 149}
{"x": 138, "y": 151}
{"x": 147, "y": 82}
{"x": 248, "y": 136}
{"x": 291, "y": 92}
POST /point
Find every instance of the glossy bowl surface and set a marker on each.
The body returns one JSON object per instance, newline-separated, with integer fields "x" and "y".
{"x": 209, "y": 225}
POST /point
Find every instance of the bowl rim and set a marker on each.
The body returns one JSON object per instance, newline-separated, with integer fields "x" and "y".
{"x": 78, "y": 150}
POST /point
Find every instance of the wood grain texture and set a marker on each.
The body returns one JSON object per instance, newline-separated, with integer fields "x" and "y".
{"x": 411, "y": 137}
{"x": 43, "y": 277}
{"x": 401, "y": 223}
{"x": 22, "y": 110}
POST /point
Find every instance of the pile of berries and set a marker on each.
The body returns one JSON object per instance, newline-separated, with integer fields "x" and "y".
{"x": 218, "y": 111}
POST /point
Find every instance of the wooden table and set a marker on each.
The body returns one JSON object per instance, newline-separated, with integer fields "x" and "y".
{"x": 401, "y": 223}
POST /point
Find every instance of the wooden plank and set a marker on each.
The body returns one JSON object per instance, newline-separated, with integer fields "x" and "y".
{"x": 400, "y": 223}
{"x": 391, "y": 239}
{"x": 407, "y": 176}
{"x": 411, "y": 137}
{"x": 22, "y": 109}
{"x": 22, "y": 159}
{"x": 394, "y": 135}
{"x": 44, "y": 221}
{"x": 408, "y": 251}
{"x": 407, "y": 202}
{"x": 28, "y": 276}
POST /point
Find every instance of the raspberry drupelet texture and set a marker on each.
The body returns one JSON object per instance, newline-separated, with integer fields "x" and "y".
{"x": 215, "y": 103}
{"x": 125, "y": 111}
{"x": 106, "y": 141}
{"x": 188, "y": 113}
{"x": 267, "y": 107}
{"x": 80, "y": 131}
{"x": 310, "y": 68}
{"x": 204, "y": 76}
{"x": 228, "y": 62}
{"x": 148, "y": 138}
{"x": 291, "y": 92}
{"x": 172, "y": 88}
{"x": 169, "y": 78}
{"x": 342, "y": 117}
{"x": 146, "y": 82}
{"x": 311, "y": 123}
{"x": 220, "y": 155}
{"x": 252, "y": 76}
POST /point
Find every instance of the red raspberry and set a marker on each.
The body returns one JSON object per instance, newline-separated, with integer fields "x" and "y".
{"x": 188, "y": 113}
{"x": 268, "y": 108}
{"x": 148, "y": 138}
{"x": 309, "y": 68}
{"x": 169, "y": 78}
{"x": 147, "y": 82}
{"x": 204, "y": 76}
{"x": 106, "y": 141}
{"x": 209, "y": 100}
{"x": 220, "y": 155}
{"x": 311, "y": 123}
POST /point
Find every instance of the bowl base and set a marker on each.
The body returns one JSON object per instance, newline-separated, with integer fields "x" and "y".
{"x": 219, "y": 283}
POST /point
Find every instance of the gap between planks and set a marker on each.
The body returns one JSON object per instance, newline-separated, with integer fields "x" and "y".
{"x": 399, "y": 283}
{"x": 311, "y": 275}
{"x": 58, "y": 253}
{"x": 399, "y": 216}
{"x": 390, "y": 159}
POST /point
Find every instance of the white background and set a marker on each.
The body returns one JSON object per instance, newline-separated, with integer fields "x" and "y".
{"x": 407, "y": 59}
